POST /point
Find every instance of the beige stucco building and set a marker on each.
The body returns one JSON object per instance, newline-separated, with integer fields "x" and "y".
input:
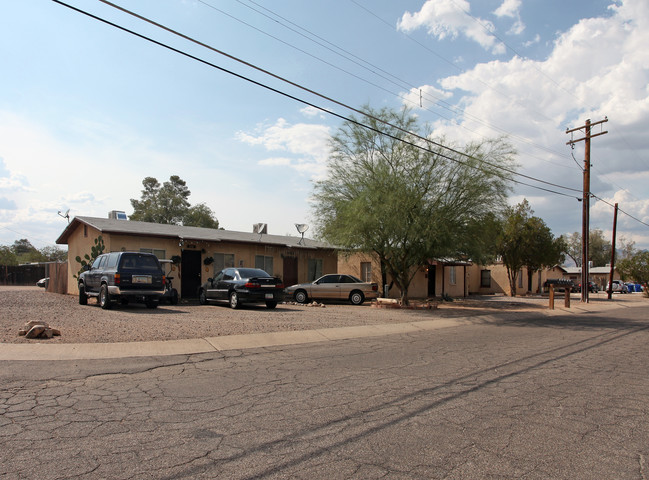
{"x": 200, "y": 251}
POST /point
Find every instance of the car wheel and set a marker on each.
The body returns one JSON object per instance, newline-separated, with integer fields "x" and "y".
{"x": 356, "y": 297}
{"x": 104, "y": 300}
{"x": 202, "y": 297}
{"x": 234, "y": 300}
{"x": 271, "y": 305}
{"x": 83, "y": 298}
{"x": 301, "y": 296}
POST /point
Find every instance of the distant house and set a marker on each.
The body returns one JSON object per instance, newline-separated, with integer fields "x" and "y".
{"x": 200, "y": 251}
{"x": 599, "y": 275}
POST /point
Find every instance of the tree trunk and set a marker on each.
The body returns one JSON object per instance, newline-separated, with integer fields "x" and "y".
{"x": 512, "y": 275}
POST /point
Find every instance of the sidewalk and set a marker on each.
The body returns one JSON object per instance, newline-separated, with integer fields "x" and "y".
{"x": 87, "y": 351}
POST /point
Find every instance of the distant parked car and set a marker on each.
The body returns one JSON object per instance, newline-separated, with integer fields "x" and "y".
{"x": 122, "y": 277}
{"x": 43, "y": 282}
{"x": 617, "y": 286}
{"x": 242, "y": 285}
{"x": 592, "y": 287}
{"x": 334, "y": 287}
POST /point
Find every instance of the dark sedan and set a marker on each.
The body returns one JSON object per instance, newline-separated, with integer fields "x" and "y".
{"x": 242, "y": 285}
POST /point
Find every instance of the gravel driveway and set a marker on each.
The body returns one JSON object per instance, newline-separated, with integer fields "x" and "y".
{"x": 132, "y": 323}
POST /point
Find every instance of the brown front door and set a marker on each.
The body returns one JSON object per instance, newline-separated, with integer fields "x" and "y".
{"x": 290, "y": 271}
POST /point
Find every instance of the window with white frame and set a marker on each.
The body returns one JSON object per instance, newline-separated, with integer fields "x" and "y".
{"x": 158, "y": 253}
{"x": 366, "y": 271}
{"x": 485, "y": 278}
{"x": 222, "y": 261}
{"x": 265, "y": 263}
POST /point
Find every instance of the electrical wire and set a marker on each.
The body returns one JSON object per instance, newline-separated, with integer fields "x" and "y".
{"x": 294, "y": 84}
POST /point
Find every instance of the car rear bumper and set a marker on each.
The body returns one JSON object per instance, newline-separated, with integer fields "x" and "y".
{"x": 261, "y": 296}
{"x": 115, "y": 290}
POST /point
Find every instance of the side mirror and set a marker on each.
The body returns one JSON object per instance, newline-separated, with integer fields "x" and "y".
{"x": 86, "y": 267}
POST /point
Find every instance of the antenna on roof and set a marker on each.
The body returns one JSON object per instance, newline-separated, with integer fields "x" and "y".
{"x": 65, "y": 215}
{"x": 301, "y": 228}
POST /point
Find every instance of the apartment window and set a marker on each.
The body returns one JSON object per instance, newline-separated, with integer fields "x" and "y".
{"x": 452, "y": 275}
{"x": 265, "y": 263}
{"x": 485, "y": 278}
{"x": 158, "y": 253}
{"x": 366, "y": 271}
{"x": 520, "y": 278}
{"x": 85, "y": 230}
{"x": 315, "y": 269}
{"x": 222, "y": 261}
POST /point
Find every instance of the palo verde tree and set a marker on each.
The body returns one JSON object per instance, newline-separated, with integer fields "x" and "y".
{"x": 169, "y": 203}
{"x": 406, "y": 200}
{"x": 526, "y": 241}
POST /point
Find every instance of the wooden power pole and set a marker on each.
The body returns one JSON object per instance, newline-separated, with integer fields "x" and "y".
{"x": 585, "y": 223}
{"x": 610, "y": 279}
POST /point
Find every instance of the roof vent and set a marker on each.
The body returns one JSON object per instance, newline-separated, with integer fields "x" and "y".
{"x": 260, "y": 228}
{"x": 117, "y": 215}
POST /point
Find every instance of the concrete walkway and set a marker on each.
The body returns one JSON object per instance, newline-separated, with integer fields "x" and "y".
{"x": 86, "y": 351}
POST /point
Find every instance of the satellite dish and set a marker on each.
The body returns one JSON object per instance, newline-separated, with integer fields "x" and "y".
{"x": 301, "y": 228}
{"x": 65, "y": 215}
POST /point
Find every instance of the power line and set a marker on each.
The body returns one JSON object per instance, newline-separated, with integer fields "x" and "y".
{"x": 294, "y": 84}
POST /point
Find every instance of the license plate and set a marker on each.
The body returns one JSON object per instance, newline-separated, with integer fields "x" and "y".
{"x": 268, "y": 296}
{"x": 141, "y": 278}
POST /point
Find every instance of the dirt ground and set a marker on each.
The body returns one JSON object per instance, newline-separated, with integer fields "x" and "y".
{"x": 133, "y": 323}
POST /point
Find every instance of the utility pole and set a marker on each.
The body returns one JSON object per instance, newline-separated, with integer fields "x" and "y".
{"x": 610, "y": 280}
{"x": 585, "y": 218}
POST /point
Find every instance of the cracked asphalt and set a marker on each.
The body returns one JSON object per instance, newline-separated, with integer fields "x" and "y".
{"x": 536, "y": 398}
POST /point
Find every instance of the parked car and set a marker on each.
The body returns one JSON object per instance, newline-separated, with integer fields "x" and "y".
{"x": 242, "y": 285}
{"x": 334, "y": 287}
{"x": 617, "y": 286}
{"x": 592, "y": 287}
{"x": 43, "y": 282}
{"x": 123, "y": 277}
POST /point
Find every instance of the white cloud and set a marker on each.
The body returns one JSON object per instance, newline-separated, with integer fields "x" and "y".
{"x": 598, "y": 68}
{"x": 511, "y": 9}
{"x": 308, "y": 144}
{"x": 451, "y": 18}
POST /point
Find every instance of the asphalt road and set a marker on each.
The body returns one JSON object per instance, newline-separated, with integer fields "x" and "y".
{"x": 550, "y": 397}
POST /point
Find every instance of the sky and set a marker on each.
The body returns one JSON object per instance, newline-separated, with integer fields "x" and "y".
{"x": 87, "y": 110}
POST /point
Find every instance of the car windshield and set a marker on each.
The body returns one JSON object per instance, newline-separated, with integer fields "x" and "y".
{"x": 252, "y": 272}
{"x": 140, "y": 262}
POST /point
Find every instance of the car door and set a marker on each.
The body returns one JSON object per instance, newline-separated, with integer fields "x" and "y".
{"x": 224, "y": 283}
{"x": 327, "y": 287}
{"x": 212, "y": 291}
{"x": 93, "y": 278}
{"x": 346, "y": 285}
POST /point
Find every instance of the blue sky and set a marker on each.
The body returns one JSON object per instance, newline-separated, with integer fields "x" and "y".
{"x": 87, "y": 111}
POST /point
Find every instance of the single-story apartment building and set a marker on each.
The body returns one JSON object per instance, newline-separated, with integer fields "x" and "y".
{"x": 200, "y": 252}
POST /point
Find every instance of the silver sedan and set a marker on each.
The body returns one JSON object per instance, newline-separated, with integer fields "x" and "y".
{"x": 334, "y": 286}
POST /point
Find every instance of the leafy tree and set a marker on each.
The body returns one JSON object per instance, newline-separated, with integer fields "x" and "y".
{"x": 636, "y": 267}
{"x": 406, "y": 200}
{"x": 168, "y": 203}
{"x": 7, "y": 256}
{"x": 526, "y": 241}
{"x": 54, "y": 254}
{"x": 599, "y": 249}
{"x": 200, "y": 216}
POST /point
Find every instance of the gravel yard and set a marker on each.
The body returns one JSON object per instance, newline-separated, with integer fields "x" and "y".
{"x": 132, "y": 323}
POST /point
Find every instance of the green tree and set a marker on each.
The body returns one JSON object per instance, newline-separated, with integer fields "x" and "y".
{"x": 25, "y": 252}
{"x": 54, "y": 254}
{"x": 168, "y": 203}
{"x": 526, "y": 241}
{"x": 7, "y": 256}
{"x": 599, "y": 249}
{"x": 406, "y": 200}
{"x": 200, "y": 216}
{"x": 636, "y": 268}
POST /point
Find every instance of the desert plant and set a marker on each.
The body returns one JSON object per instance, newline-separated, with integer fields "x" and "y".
{"x": 87, "y": 259}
